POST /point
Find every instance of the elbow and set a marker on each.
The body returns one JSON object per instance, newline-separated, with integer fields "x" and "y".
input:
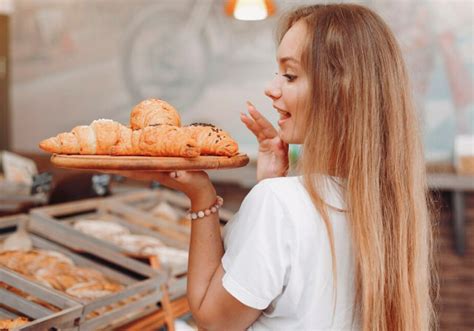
{"x": 207, "y": 320}
{"x": 204, "y": 323}
{"x": 202, "y": 320}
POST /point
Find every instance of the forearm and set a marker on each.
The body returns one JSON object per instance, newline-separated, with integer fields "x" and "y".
{"x": 205, "y": 252}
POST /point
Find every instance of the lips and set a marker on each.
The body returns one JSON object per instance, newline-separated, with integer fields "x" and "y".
{"x": 284, "y": 115}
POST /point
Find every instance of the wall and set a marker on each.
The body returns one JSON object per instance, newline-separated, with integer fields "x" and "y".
{"x": 79, "y": 60}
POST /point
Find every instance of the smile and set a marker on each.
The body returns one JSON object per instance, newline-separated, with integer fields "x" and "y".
{"x": 284, "y": 116}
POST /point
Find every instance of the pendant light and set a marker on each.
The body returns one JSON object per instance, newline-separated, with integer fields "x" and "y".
{"x": 250, "y": 10}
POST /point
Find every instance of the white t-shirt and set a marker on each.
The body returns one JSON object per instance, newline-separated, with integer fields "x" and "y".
{"x": 278, "y": 259}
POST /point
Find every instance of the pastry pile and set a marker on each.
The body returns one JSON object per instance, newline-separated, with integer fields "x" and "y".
{"x": 133, "y": 244}
{"x": 57, "y": 271}
{"x": 155, "y": 130}
{"x": 11, "y": 324}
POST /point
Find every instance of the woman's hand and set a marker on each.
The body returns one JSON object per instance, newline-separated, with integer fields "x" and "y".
{"x": 195, "y": 184}
{"x": 272, "y": 151}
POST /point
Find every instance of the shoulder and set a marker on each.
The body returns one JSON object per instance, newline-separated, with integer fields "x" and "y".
{"x": 278, "y": 189}
{"x": 292, "y": 195}
{"x": 265, "y": 204}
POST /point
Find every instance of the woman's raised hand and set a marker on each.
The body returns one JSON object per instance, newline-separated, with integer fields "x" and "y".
{"x": 272, "y": 151}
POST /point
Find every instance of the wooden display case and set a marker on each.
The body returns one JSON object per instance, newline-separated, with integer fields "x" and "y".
{"x": 46, "y": 311}
{"x": 141, "y": 284}
{"x": 62, "y": 217}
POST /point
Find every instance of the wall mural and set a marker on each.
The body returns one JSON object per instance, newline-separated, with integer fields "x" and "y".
{"x": 79, "y": 60}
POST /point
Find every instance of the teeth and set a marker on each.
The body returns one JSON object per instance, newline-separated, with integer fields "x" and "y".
{"x": 284, "y": 113}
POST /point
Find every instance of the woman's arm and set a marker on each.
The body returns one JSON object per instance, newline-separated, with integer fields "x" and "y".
{"x": 206, "y": 249}
{"x": 212, "y": 306}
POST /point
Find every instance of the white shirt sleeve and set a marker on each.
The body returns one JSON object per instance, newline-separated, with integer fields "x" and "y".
{"x": 257, "y": 249}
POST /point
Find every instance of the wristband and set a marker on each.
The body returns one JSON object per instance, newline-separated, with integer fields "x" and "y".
{"x": 194, "y": 215}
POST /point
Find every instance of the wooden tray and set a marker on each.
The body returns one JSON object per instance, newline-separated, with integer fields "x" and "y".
{"x": 147, "y": 163}
{"x": 48, "y": 311}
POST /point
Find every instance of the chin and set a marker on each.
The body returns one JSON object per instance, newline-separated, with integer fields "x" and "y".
{"x": 290, "y": 139}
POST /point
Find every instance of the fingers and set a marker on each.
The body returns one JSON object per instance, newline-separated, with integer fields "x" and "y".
{"x": 177, "y": 174}
{"x": 258, "y": 124}
{"x": 267, "y": 127}
{"x": 252, "y": 126}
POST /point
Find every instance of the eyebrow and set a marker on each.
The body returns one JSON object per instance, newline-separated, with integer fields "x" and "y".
{"x": 288, "y": 59}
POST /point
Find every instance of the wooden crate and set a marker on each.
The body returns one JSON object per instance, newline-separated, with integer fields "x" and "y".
{"x": 113, "y": 211}
{"x": 171, "y": 234}
{"x": 141, "y": 283}
{"x": 146, "y": 200}
{"x": 48, "y": 310}
{"x": 174, "y": 303}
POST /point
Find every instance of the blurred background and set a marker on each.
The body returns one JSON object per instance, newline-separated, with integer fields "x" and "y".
{"x": 69, "y": 62}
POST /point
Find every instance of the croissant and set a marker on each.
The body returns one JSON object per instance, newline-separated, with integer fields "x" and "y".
{"x": 168, "y": 140}
{"x": 212, "y": 140}
{"x": 107, "y": 137}
{"x": 153, "y": 112}
{"x": 96, "y": 138}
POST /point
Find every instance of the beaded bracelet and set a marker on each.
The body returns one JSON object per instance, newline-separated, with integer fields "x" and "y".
{"x": 194, "y": 215}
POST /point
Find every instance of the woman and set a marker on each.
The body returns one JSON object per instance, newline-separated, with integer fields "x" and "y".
{"x": 346, "y": 245}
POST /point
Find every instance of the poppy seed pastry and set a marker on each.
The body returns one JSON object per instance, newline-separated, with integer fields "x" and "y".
{"x": 213, "y": 140}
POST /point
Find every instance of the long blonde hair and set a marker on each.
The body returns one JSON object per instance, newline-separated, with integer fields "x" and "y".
{"x": 361, "y": 125}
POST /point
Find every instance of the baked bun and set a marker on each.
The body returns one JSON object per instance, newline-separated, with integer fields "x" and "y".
{"x": 153, "y": 112}
{"x": 137, "y": 244}
{"x": 100, "y": 229}
{"x": 93, "y": 290}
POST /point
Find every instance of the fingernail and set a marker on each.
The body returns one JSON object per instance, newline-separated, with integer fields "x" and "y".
{"x": 243, "y": 114}
{"x": 250, "y": 104}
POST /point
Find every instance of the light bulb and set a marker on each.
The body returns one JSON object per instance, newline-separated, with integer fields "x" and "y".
{"x": 250, "y": 10}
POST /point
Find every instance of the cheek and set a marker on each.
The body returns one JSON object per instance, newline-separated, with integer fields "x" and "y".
{"x": 295, "y": 131}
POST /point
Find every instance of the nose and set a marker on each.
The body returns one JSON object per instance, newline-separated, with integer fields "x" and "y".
{"x": 273, "y": 89}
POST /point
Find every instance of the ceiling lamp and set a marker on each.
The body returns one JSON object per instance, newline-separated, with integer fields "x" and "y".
{"x": 250, "y": 10}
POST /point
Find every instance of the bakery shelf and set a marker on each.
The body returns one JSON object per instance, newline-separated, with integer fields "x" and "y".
{"x": 62, "y": 218}
{"x": 47, "y": 310}
{"x": 140, "y": 284}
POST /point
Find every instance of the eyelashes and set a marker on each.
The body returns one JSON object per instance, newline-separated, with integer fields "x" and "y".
{"x": 290, "y": 78}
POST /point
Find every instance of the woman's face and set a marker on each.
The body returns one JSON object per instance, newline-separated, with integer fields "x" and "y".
{"x": 289, "y": 90}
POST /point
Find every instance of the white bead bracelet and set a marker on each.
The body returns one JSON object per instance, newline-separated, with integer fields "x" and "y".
{"x": 194, "y": 215}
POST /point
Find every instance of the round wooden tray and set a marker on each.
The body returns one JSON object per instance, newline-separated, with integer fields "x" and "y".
{"x": 147, "y": 163}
